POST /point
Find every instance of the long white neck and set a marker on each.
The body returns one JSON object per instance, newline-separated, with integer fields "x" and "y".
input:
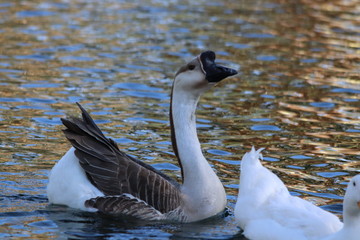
{"x": 198, "y": 176}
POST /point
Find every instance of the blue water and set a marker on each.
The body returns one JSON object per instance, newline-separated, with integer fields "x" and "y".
{"x": 297, "y": 95}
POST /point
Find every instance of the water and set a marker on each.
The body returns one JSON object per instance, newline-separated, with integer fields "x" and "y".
{"x": 297, "y": 94}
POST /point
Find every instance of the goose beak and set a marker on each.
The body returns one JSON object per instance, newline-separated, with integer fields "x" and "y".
{"x": 358, "y": 203}
{"x": 213, "y": 72}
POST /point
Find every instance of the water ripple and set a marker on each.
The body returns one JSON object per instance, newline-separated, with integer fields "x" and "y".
{"x": 296, "y": 94}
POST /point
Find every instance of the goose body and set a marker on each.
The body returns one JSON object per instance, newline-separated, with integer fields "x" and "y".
{"x": 266, "y": 210}
{"x": 94, "y": 175}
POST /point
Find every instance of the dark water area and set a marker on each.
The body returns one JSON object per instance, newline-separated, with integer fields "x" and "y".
{"x": 297, "y": 94}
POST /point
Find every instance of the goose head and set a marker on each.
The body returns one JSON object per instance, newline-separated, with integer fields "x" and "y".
{"x": 352, "y": 198}
{"x": 200, "y": 74}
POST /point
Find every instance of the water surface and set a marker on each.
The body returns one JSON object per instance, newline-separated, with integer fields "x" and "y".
{"x": 297, "y": 95}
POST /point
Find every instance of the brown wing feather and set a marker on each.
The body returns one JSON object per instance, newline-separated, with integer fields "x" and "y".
{"x": 114, "y": 172}
{"x": 124, "y": 205}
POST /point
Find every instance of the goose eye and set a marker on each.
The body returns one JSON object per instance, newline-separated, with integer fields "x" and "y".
{"x": 191, "y": 67}
{"x": 354, "y": 184}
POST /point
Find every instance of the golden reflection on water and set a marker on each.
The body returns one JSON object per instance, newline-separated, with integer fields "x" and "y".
{"x": 297, "y": 93}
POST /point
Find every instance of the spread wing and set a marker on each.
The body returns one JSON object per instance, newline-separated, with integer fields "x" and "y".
{"x": 114, "y": 172}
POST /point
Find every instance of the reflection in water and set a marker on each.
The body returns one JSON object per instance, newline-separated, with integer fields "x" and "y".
{"x": 85, "y": 225}
{"x": 297, "y": 95}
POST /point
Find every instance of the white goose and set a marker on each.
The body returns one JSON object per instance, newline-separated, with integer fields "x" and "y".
{"x": 95, "y": 175}
{"x": 266, "y": 210}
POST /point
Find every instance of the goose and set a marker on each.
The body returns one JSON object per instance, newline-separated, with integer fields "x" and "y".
{"x": 266, "y": 210}
{"x": 94, "y": 175}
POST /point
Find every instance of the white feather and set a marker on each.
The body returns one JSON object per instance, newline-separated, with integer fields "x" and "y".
{"x": 68, "y": 184}
{"x": 266, "y": 210}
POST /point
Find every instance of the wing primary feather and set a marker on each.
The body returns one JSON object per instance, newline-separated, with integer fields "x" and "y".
{"x": 125, "y": 204}
{"x": 115, "y": 173}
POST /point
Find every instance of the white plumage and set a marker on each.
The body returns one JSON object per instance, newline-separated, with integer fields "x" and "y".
{"x": 69, "y": 183}
{"x": 266, "y": 210}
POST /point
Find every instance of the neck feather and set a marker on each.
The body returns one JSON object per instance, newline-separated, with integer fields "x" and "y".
{"x": 184, "y": 137}
{"x": 351, "y": 213}
{"x": 205, "y": 194}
